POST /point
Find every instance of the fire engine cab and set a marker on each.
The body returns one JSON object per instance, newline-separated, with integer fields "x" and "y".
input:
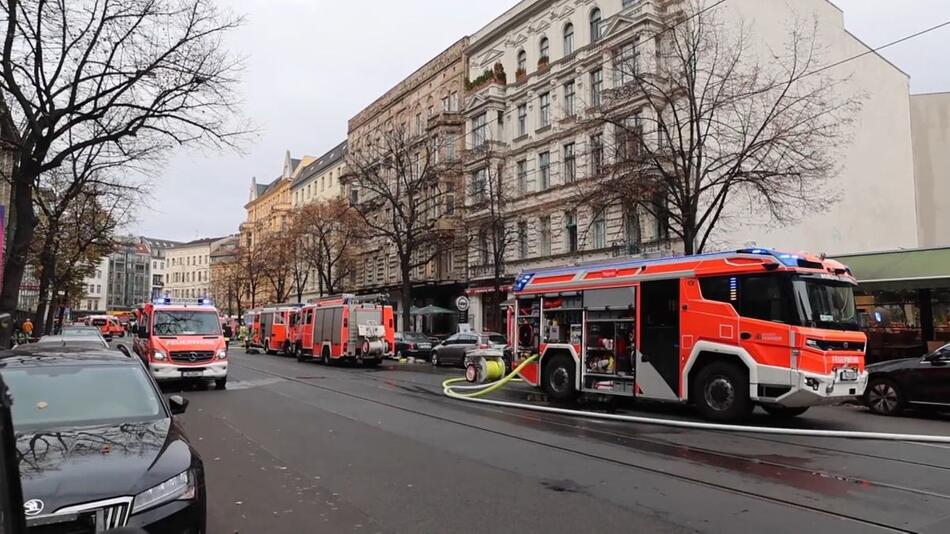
{"x": 345, "y": 327}
{"x": 182, "y": 340}
{"x": 724, "y": 331}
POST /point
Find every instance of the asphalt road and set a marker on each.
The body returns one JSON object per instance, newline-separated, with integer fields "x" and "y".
{"x": 294, "y": 448}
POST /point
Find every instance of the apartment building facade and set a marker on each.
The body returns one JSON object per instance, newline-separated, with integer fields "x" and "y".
{"x": 128, "y": 273}
{"x": 188, "y": 269}
{"x": 537, "y": 75}
{"x": 97, "y": 286}
{"x": 320, "y": 181}
{"x": 426, "y": 106}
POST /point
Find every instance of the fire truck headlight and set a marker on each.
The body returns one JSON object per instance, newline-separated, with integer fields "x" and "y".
{"x": 222, "y": 354}
{"x": 158, "y": 355}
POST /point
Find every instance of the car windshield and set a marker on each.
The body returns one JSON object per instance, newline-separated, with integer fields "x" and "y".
{"x": 57, "y": 396}
{"x": 826, "y": 303}
{"x": 496, "y": 339}
{"x": 415, "y": 336}
{"x": 187, "y": 323}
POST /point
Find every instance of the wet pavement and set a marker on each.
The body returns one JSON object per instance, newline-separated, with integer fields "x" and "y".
{"x": 293, "y": 447}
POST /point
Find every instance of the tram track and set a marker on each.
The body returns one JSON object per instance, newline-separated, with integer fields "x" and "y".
{"x": 308, "y": 381}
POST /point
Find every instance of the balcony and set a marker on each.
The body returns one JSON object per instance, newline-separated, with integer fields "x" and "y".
{"x": 446, "y": 119}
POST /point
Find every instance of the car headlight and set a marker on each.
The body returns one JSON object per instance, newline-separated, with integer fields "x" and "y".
{"x": 177, "y": 488}
{"x": 222, "y": 354}
{"x": 158, "y": 355}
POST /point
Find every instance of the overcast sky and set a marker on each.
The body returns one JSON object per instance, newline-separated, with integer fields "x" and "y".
{"x": 313, "y": 64}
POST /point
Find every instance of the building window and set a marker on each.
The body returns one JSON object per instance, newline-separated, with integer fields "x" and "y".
{"x": 479, "y": 130}
{"x": 570, "y": 230}
{"x": 354, "y": 195}
{"x": 521, "y": 175}
{"x": 568, "y": 39}
{"x": 596, "y": 26}
{"x": 454, "y": 102}
{"x": 92, "y": 288}
{"x": 596, "y": 154}
{"x": 570, "y": 163}
{"x": 544, "y": 49}
{"x": 544, "y": 170}
{"x": 599, "y": 229}
{"x": 522, "y": 120}
{"x": 449, "y": 203}
{"x": 522, "y": 61}
{"x": 628, "y": 63}
{"x": 450, "y": 151}
{"x": 98, "y": 289}
{"x": 522, "y": 239}
{"x": 483, "y": 246}
{"x": 632, "y": 230}
{"x": 544, "y": 109}
{"x": 418, "y": 123}
{"x": 569, "y": 98}
{"x": 661, "y": 216}
{"x": 478, "y": 185}
{"x": 544, "y": 236}
{"x": 445, "y": 103}
{"x": 596, "y": 87}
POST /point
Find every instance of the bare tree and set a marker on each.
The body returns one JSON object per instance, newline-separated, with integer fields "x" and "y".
{"x": 139, "y": 76}
{"x": 702, "y": 120}
{"x": 86, "y": 185}
{"x": 401, "y": 199}
{"x": 329, "y": 229}
{"x": 248, "y": 272}
{"x": 274, "y": 263}
{"x": 488, "y": 202}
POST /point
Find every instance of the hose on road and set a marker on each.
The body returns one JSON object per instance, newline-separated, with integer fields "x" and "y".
{"x": 473, "y": 393}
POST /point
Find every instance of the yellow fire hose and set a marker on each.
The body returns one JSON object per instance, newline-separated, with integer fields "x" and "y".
{"x": 484, "y": 389}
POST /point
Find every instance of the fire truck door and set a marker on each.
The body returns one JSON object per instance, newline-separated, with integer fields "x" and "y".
{"x": 658, "y": 366}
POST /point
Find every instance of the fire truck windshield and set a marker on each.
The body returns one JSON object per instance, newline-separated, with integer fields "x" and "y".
{"x": 826, "y": 303}
{"x": 187, "y": 323}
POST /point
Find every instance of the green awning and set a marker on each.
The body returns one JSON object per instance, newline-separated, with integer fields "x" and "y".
{"x": 901, "y": 269}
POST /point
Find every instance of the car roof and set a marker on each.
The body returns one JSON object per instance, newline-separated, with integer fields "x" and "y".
{"x": 69, "y": 340}
{"x": 43, "y": 354}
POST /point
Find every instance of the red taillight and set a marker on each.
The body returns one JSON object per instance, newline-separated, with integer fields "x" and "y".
{"x": 412, "y": 346}
{"x": 483, "y": 346}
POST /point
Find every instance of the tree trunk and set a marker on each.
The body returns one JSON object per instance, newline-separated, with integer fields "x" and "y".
{"x": 21, "y": 235}
{"x": 46, "y": 275}
{"x": 405, "y": 300}
{"x": 47, "y": 329}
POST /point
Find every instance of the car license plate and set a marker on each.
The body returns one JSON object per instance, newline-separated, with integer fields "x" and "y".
{"x": 192, "y": 374}
{"x": 425, "y": 346}
{"x": 848, "y": 375}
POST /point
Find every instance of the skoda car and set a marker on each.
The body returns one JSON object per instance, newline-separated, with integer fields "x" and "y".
{"x": 98, "y": 446}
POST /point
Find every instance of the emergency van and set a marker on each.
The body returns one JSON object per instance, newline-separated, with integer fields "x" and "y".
{"x": 182, "y": 340}
{"x": 345, "y": 327}
{"x": 108, "y": 326}
{"x": 725, "y": 331}
{"x": 273, "y": 329}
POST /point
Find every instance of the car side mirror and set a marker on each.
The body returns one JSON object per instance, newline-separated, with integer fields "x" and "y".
{"x": 178, "y": 404}
{"x": 124, "y": 350}
{"x": 142, "y": 331}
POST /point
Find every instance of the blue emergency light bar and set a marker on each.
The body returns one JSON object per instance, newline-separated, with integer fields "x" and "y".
{"x": 204, "y": 301}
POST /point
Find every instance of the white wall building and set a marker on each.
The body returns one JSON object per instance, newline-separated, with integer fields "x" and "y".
{"x": 188, "y": 269}
{"x": 559, "y": 57}
{"x": 96, "y": 287}
{"x": 930, "y": 116}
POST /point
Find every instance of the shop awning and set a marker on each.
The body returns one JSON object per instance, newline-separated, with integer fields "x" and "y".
{"x": 431, "y": 310}
{"x": 901, "y": 269}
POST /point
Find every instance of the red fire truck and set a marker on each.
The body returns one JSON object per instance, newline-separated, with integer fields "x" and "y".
{"x": 182, "y": 340}
{"x": 345, "y": 327}
{"x": 725, "y": 331}
{"x": 271, "y": 331}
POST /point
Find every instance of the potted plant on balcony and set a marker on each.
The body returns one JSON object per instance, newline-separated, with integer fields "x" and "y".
{"x": 520, "y": 75}
{"x": 543, "y": 63}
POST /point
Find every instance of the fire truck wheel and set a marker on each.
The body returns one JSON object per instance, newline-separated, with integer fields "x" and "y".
{"x": 559, "y": 377}
{"x": 722, "y": 392}
{"x": 434, "y": 359}
{"x": 784, "y": 412}
{"x": 220, "y": 383}
{"x": 298, "y": 353}
{"x": 267, "y": 348}
{"x": 326, "y": 356}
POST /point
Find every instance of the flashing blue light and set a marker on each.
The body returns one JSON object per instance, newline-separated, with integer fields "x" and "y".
{"x": 790, "y": 260}
{"x": 162, "y": 300}
{"x": 205, "y": 302}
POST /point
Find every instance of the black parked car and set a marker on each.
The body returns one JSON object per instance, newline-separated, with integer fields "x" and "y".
{"x": 98, "y": 445}
{"x": 413, "y": 344}
{"x": 912, "y": 382}
{"x": 453, "y": 350}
